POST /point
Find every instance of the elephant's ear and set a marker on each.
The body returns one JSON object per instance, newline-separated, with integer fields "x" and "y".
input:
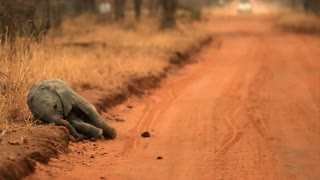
{"x": 66, "y": 99}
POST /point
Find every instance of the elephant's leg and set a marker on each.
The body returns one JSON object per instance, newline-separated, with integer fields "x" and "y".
{"x": 78, "y": 135}
{"x": 108, "y": 131}
{"x": 93, "y": 117}
{"x": 87, "y": 129}
{"x": 62, "y": 122}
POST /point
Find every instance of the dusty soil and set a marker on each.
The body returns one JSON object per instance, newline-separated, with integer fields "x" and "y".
{"x": 21, "y": 147}
{"x": 249, "y": 109}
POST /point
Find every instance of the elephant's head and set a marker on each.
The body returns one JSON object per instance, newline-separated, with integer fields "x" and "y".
{"x": 53, "y": 92}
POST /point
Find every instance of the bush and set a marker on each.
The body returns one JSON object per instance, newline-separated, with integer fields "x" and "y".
{"x": 300, "y": 22}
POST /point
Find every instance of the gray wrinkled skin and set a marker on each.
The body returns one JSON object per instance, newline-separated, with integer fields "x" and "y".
{"x": 53, "y": 101}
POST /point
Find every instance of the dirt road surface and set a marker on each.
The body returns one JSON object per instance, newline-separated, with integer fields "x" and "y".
{"x": 250, "y": 109}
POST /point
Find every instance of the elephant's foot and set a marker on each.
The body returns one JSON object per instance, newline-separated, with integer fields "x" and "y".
{"x": 86, "y": 129}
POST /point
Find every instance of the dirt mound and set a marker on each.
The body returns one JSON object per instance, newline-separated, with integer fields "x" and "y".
{"x": 21, "y": 147}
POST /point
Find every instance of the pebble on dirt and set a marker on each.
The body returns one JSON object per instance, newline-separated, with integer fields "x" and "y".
{"x": 92, "y": 156}
{"x": 159, "y": 157}
{"x": 145, "y": 134}
{"x": 119, "y": 120}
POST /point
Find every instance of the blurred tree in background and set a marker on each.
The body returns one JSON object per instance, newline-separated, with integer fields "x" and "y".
{"x": 154, "y": 7}
{"x": 33, "y": 18}
{"x": 119, "y": 9}
{"x": 312, "y": 5}
{"x": 168, "y": 13}
{"x": 307, "y": 5}
{"x": 17, "y": 18}
{"x": 137, "y": 8}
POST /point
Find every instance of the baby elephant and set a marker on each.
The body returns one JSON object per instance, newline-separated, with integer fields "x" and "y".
{"x": 53, "y": 101}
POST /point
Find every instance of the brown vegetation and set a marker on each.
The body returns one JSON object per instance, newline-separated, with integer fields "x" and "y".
{"x": 300, "y": 22}
{"x": 115, "y": 54}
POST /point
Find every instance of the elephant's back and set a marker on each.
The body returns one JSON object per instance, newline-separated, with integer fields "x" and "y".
{"x": 51, "y": 84}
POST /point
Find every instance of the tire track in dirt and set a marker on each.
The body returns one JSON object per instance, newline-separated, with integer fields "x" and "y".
{"x": 236, "y": 90}
{"x": 149, "y": 118}
{"x": 255, "y": 115}
{"x": 233, "y": 135}
{"x": 156, "y": 104}
{"x": 154, "y": 107}
{"x": 247, "y": 139}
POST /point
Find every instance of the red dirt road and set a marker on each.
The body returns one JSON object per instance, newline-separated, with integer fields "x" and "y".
{"x": 250, "y": 109}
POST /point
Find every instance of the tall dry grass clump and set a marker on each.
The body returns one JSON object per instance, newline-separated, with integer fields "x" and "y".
{"x": 300, "y": 22}
{"x": 21, "y": 64}
{"x": 87, "y": 56}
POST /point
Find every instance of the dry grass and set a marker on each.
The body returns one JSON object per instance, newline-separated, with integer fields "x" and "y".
{"x": 116, "y": 53}
{"x": 300, "y": 22}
